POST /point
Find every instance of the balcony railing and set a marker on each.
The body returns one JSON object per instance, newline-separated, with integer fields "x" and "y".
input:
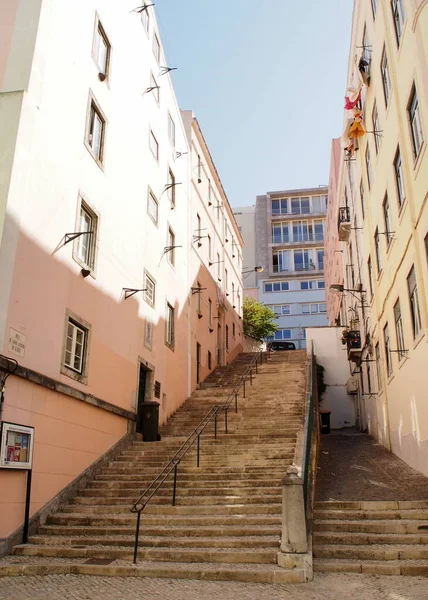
{"x": 298, "y": 239}
{"x": 299, "y": 269}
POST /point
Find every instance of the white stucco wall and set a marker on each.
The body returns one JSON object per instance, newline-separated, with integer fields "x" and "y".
{"x": 331, "y": 355}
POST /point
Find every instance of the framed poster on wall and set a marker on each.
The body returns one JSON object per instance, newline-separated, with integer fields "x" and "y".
{"x": 16, "y": 446}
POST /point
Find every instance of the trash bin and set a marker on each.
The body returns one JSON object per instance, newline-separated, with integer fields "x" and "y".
{"x": 325, "y": 421}
{"x": 149, "y": 420}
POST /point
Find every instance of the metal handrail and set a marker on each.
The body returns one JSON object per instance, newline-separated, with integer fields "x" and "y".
{"x": 174, "y": 462}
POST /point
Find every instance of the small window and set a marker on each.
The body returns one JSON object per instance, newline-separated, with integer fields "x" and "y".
{"x": 378, "y": 368}
{"x": 376, "y": 127}
{"x": 378, "y": 252}
{"x": 157, "y": 389}
{"x": 323, "y": 307}
{"x": 145, "y": 19}
{"x": 321, "y": 284}
{"x": 387, "y": 220}
{"x": 374, "y": 8}
{"x": 156, "y": 88}
{"x": 171, "y": 188}
{"x": 285, "y": 286}
{"x": 210, "y": 249}
{"x": 415, "y": 122}
{"x": 199, "y": 298}
{"x": 154, "y": 146}
{"x": 306, "y": 309}
{"x": 387, "y": 346}
{"x": 75, "y": 346}
{"x": 156, "y": 47}
{"x": 227, "y": 337}
{"x": 149, "y": 289}
{"x": 84, "y": 245}
{"x": 169, "y": 339}
{"x": 285, "y": 309}
{"x": 370, "y": 271}
{"x": 226, "y": 280}
{"x": 218, "y": 267}
{"x": 210, "y": 361}
{"x": 153, "y": 207}
{"x": 95, "y": 133}
{"x": 368, "y": 167}
{"x": 199, "y": 169}
{"x": 268, "y": 287}
{"x": 399, "y": 330}
{"x": 414, "y": 302}
{"x": 210, "y": 313}
{"x": 362, "y": 198}
{"x": 101, "y": 49}
{"x": 399, "y": 178}
{"x": 171, "y": 244}
{"x": 399, "y": 17}
{"x": 233, "y": 329}
{"x": 171, "y": 130}
{"x": 386, "y": 79}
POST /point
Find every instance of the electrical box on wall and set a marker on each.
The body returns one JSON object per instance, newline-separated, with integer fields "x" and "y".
{"x": 352, "y": 386}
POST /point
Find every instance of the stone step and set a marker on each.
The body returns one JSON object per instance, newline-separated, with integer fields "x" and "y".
{"x": 241, "y": 479}
{"x": 147, "y": 520}
{"x": 165, "y": 509}
{"x": 182, "y": 500}
{"x": 388, "y": 515}
{"x": 373, "y": 552}
{"x": 371, "y": 505}
{"x": 364, "y": 538}
{"x": 402, "y": 526}
{"x": 165, "y": 541}
{"x": 191, "y": 490}
{"x": 415, "y": 568}
{"x": 168, "y": 555}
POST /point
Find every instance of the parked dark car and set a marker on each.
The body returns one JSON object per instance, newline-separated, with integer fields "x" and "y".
{"x": 281, "y": 346}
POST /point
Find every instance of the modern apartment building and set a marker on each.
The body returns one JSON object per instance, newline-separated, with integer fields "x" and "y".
{"x": 97, "y": 302}
{"x": 382, "y": 221}
{"x": 289, "y": 245}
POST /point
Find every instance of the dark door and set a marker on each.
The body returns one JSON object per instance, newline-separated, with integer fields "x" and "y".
{"x": 141, "y": 397}
{"x": 198, "y": 362}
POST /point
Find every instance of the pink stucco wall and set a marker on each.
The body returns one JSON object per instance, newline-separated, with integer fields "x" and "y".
{"x": 8, "y": 10}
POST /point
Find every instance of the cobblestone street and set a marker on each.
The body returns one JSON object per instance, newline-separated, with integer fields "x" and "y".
{"x": 324, "y": 587}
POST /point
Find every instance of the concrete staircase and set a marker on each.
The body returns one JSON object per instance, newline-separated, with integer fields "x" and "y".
{"x": 227, "y": 520}
{"x": 378, "y": 538}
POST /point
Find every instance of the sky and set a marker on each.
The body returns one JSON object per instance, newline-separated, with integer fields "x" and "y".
{"x": 266, "y": 80}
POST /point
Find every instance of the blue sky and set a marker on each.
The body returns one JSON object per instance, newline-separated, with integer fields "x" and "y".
{"x": 266, "y": 81}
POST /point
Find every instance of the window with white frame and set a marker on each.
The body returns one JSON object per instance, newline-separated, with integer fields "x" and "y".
{"x": 210, "y": 313}
{"x": 399, "y": 178}
{"x": 415, "y": 122}
{"x": 233, "y": 293}
{"x": 313, "y": 308}
{"x": 399, "y": 17}
{"x": 378, "y": 252}
{"x": 170, "y": 242}
{"x": 362, "y": 198}
{"x": 156, "y": 88}
{"x": 199, "y": 298}
{"x": 399, "y": 332}
{"x": 280, "y": 233}
{"x": 95, "y": 133}
{"x": 282, "y": 334}
{"x": 370, "y": 272}
{"x": 154, "y": 146}
{"x": 300, "y": 206}
{"x": 281, "y": 309}
{"x": 387, "y": 220}
{"x": 280, "y": 206}
{"x": 376, "y": 127}
{"x": 101, "y": 49}
{"x": 156, "y": 47}
{"x": 145, "y": 19}
{"x": 210, "y": 249}
{"x": 312, "y": 284}
{"x": 171, "y": 188}
{"x": 387, "y": 347}
{"x": 152, "y": 207}
{"x": 75, "y": 346}
{"x": 171, "y": 130}
{"x": 84, "y": 247}
{"x": 170, "y": 325}
{"x": 368, "y": 167}
{"x": 378, "y": 367}
{"x": 374, "y": 7}
{"x": 277, "y": 286}
{"x": 414, "y": 302}
{"x": 386, "y": 79}
{"x": 218, "y": 267}
{"x": 226, "y": 280}
{"x": 149, "y": 289}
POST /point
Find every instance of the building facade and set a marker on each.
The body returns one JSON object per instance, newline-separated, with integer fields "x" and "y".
{"x": 382, "y": 218}
{"x": 289, "y": 245}
{"x": 96, "y": 302}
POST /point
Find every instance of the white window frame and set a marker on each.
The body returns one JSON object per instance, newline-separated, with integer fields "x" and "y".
{"x": 171, "y": 130}
{"x": 149, "y": 289}
{"x": 171, "y": 190}
{"x": 171, "y": 242}
{"x": 95, "y": 115}
{"x": 145, "y": 20}
{"x": 415, "y": 122}
{"x": 100, "y": 35}
{"x": 67, "y": 368}
{"x": 368, "y": 167}
{"x": 170, "y": 326}
{"x": 152, "y": 201}
{"x": 415, "y": 309}
{"x": 90, "y": 240}
{"x": 156, "y": 91}
{"x": 376, "y": 127}
{"x": 156, "y": 47}
{"x": 398, "y": 17}
{"x": 154, "y": 145}
{"x": 399, "y": 178}
{"x": 386, "y": 78}
{"x": 399, "y": 331}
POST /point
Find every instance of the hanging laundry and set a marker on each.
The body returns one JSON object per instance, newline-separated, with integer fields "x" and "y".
{"x": 357, "y": 129}
{"x": 352, "y": 99}
{"x": 363, "y": 68}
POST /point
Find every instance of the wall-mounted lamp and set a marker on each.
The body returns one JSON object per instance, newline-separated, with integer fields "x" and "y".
{"x": 247, "y": 272}
{"x": 338, "y": 288}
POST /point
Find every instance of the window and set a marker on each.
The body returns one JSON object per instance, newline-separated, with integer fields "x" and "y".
{"x": 399, "y": 178}
{"x": 282, "y": 334}
{"x": 198, "y": 225}
{"x": 378, "y": 368}
{"x": 149, "y": 289}
{"x": 84, "y": 245}
{"x": 210, "y": 361}
{"x": 370, "y": 271}
{"x": 233, "y": 293}
{"x": 281, "y": 309}
{"x": 101, "y": 50}
{"x": 301, "y": 260}
{"x": 145, "y": 19}
{"x": 227, "y": 337}
{"x": 366, "y": 57}
{"x": 210, "y": 313}
{"x": 368, "y": 167}
{"x": 218, "y": 267}
{"x": 169, "y": 337}
{"x": 387, "y": 346}
{"x": 386, "y": 79}
{"x": 321, "y": 284}
{"x": 387, "y": 220}
{"x": 398, "y": 16}
{"x": 210, "y": 249}
{"x": 319, "y": 231}
{"x": 415, "y": 122}
{"x": 323, "y": 307}
{"x": 75, "y": 347}
{"x": 320, "y": 260}
{"x": 170, "y": 242}
{"x": 152, "y": 207}
{"x": 300, "y": 206}
{"x": 281, "y": 261}
{"x": 96, "y": 131}
{"x": 363, "y": 212}
{"x": 414, "y": 302}
{"x": 156, "y": 88}
{"x": 378, "y": 252}
{"x": 157, "y": 389}
{"x": 226, "y": 280}
{"x": 280, "y": 233}
{"x": 199, "y": 298}
{"x": 171, "y": 130}
{"x": 233, "y": 329}
{"x": 312, "y": 284}
{"x": 280, "y": 207}
{"x": 156, "y": 47}
{"x": 319, "y": 204}
{"x": 199, "y": 169}
{"x": 312, "y": 309}
{"x": 210, "y": 193}
{"x": 376, "y": 127}
{"x": 374, "y": 7}
{"x": 278, "y": 286}
{"x": 148, "y": 334}
{"x": 399, "y": 332}
{"x": 154, "y": 146}
{"x": 239, "y": 303}
{"x": 171, "y": 188}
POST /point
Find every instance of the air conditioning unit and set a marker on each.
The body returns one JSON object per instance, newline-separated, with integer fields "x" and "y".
{"x": 352, "y": 386}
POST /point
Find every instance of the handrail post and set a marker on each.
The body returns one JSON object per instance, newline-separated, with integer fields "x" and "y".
{"x": 251, "y": 376}
{"x": 199, "y": 443}
{"x": 236, "y": 403}
{"x": 137, "y": 535}
{"x": 256, "y": 367}
{"x": 225, "y": 420}
{"x": 175, "y": 485}
{"x": 243, "y": 385}
{"x": 215, "y": 426}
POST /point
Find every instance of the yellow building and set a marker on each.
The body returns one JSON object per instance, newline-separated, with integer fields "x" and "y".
{"x": 383, "y": 223}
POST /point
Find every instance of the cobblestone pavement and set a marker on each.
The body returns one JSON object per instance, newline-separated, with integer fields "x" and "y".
{"x": 324, "y": 587}
{"x": 353, "y": 466}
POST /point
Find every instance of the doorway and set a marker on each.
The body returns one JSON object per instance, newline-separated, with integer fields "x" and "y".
{"x": 198, "y": 362}
{"x": 142, "y": 383}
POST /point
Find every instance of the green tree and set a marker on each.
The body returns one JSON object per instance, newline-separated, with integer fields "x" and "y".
{"x": 259, "y": 320}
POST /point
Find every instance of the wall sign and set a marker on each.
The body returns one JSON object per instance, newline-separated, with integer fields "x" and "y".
{"x": 17, "y": 342}
{"x": 16, "y": 446}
